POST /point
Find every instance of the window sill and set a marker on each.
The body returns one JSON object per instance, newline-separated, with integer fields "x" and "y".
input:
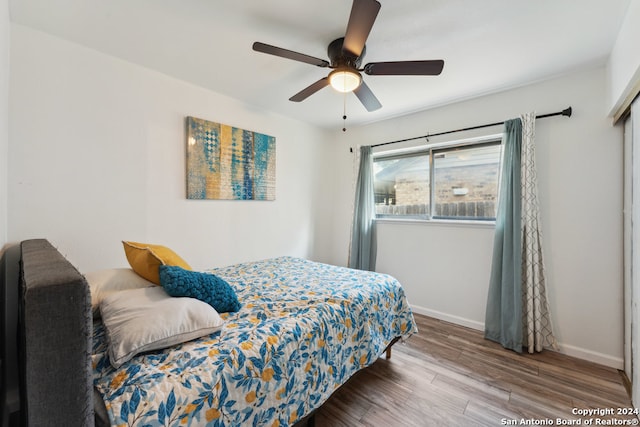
{"x": 438, "y": 222}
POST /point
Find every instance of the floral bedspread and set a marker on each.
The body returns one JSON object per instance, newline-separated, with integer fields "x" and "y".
{"x": 303, "y": 330}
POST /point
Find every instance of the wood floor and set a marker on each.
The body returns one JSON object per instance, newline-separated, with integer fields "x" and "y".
{"x": 448, "y": 375}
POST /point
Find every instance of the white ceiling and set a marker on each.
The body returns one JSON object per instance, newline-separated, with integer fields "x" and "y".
{"x": 487, "y": 45}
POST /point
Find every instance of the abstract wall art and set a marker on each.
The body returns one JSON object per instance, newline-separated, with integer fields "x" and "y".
{"x": 227, "y": 163}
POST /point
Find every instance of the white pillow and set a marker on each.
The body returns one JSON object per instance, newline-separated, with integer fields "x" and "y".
{"x": 103, "y": 283}
{"x": 147, "y": 319}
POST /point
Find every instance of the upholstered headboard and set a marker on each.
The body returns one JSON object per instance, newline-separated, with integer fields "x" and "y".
{"x": 54, "y": 339}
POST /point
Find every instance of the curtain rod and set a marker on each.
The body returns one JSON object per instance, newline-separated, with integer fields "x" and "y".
{"x": 565, "y": 112}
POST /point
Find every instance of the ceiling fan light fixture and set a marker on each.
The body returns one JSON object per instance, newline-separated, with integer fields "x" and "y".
{"x": 345, "y": 79}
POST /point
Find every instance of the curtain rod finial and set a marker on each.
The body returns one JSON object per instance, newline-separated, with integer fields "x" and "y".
{"x": 567, "y": 112}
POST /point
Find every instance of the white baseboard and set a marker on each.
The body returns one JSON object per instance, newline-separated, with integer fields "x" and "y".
{"x": 569, "y": 350}
{"x": 592, "y": 356}
{"x": 448, "y": 317}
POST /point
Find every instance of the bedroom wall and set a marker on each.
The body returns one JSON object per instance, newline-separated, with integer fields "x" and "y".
{"x": 445, "y": 267}
{"x": 97, "y": 156}
{"x": 623, "y": 67}
{"x": 4, "y": 117}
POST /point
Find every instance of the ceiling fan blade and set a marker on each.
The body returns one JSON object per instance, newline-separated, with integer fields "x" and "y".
{"x": 367, "y": 97}
{"x": 289, "y": 54}
{"x": 405, "y": 68}
{"x": 363, "y": 15}
{"x": 310, "y": 90}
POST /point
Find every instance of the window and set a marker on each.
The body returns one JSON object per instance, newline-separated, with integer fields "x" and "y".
{"x": 401, "y": 185}
{"x": 439, "y": 182}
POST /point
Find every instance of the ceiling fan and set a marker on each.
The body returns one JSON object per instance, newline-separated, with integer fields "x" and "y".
{"x": 346, "y": 54}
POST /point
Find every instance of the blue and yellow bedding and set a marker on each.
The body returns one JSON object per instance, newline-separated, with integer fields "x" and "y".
{"x": 304, "y": 328}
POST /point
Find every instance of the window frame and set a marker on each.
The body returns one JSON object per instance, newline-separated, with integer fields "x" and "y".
{"x": 428, "y": 150}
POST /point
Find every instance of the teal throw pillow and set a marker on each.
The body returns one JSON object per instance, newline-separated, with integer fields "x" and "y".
{"x": 206, "y": 287}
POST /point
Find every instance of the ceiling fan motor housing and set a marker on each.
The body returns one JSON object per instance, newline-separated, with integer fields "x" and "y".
{"x": 343, "y": 58}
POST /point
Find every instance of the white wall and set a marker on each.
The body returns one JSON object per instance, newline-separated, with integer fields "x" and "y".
{"x": 445, "y": 268}
{"x": 97, "y": 156}
{"x": 4, "y": 117}
{"x": 623, "y": 67}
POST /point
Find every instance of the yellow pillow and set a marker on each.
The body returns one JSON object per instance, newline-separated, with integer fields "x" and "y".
{"x": 145, "y": 259}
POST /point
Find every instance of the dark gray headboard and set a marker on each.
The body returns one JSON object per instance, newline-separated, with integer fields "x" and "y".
{"x": 55, "y": 327}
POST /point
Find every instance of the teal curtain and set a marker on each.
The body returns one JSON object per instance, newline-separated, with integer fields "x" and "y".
{"x": 503, "y": 320}
{"x": 363, "y": 236}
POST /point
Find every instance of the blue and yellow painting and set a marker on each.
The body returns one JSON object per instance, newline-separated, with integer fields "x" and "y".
{"x": 227, "y": 163}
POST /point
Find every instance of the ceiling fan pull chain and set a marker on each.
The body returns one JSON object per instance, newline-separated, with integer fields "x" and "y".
{"x": 344, "y": 113}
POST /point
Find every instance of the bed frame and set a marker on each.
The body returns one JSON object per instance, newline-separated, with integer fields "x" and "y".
{"x": 54, "y": 333}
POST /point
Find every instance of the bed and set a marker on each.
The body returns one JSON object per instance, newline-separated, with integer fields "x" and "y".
{"x": 304, "y": 328}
